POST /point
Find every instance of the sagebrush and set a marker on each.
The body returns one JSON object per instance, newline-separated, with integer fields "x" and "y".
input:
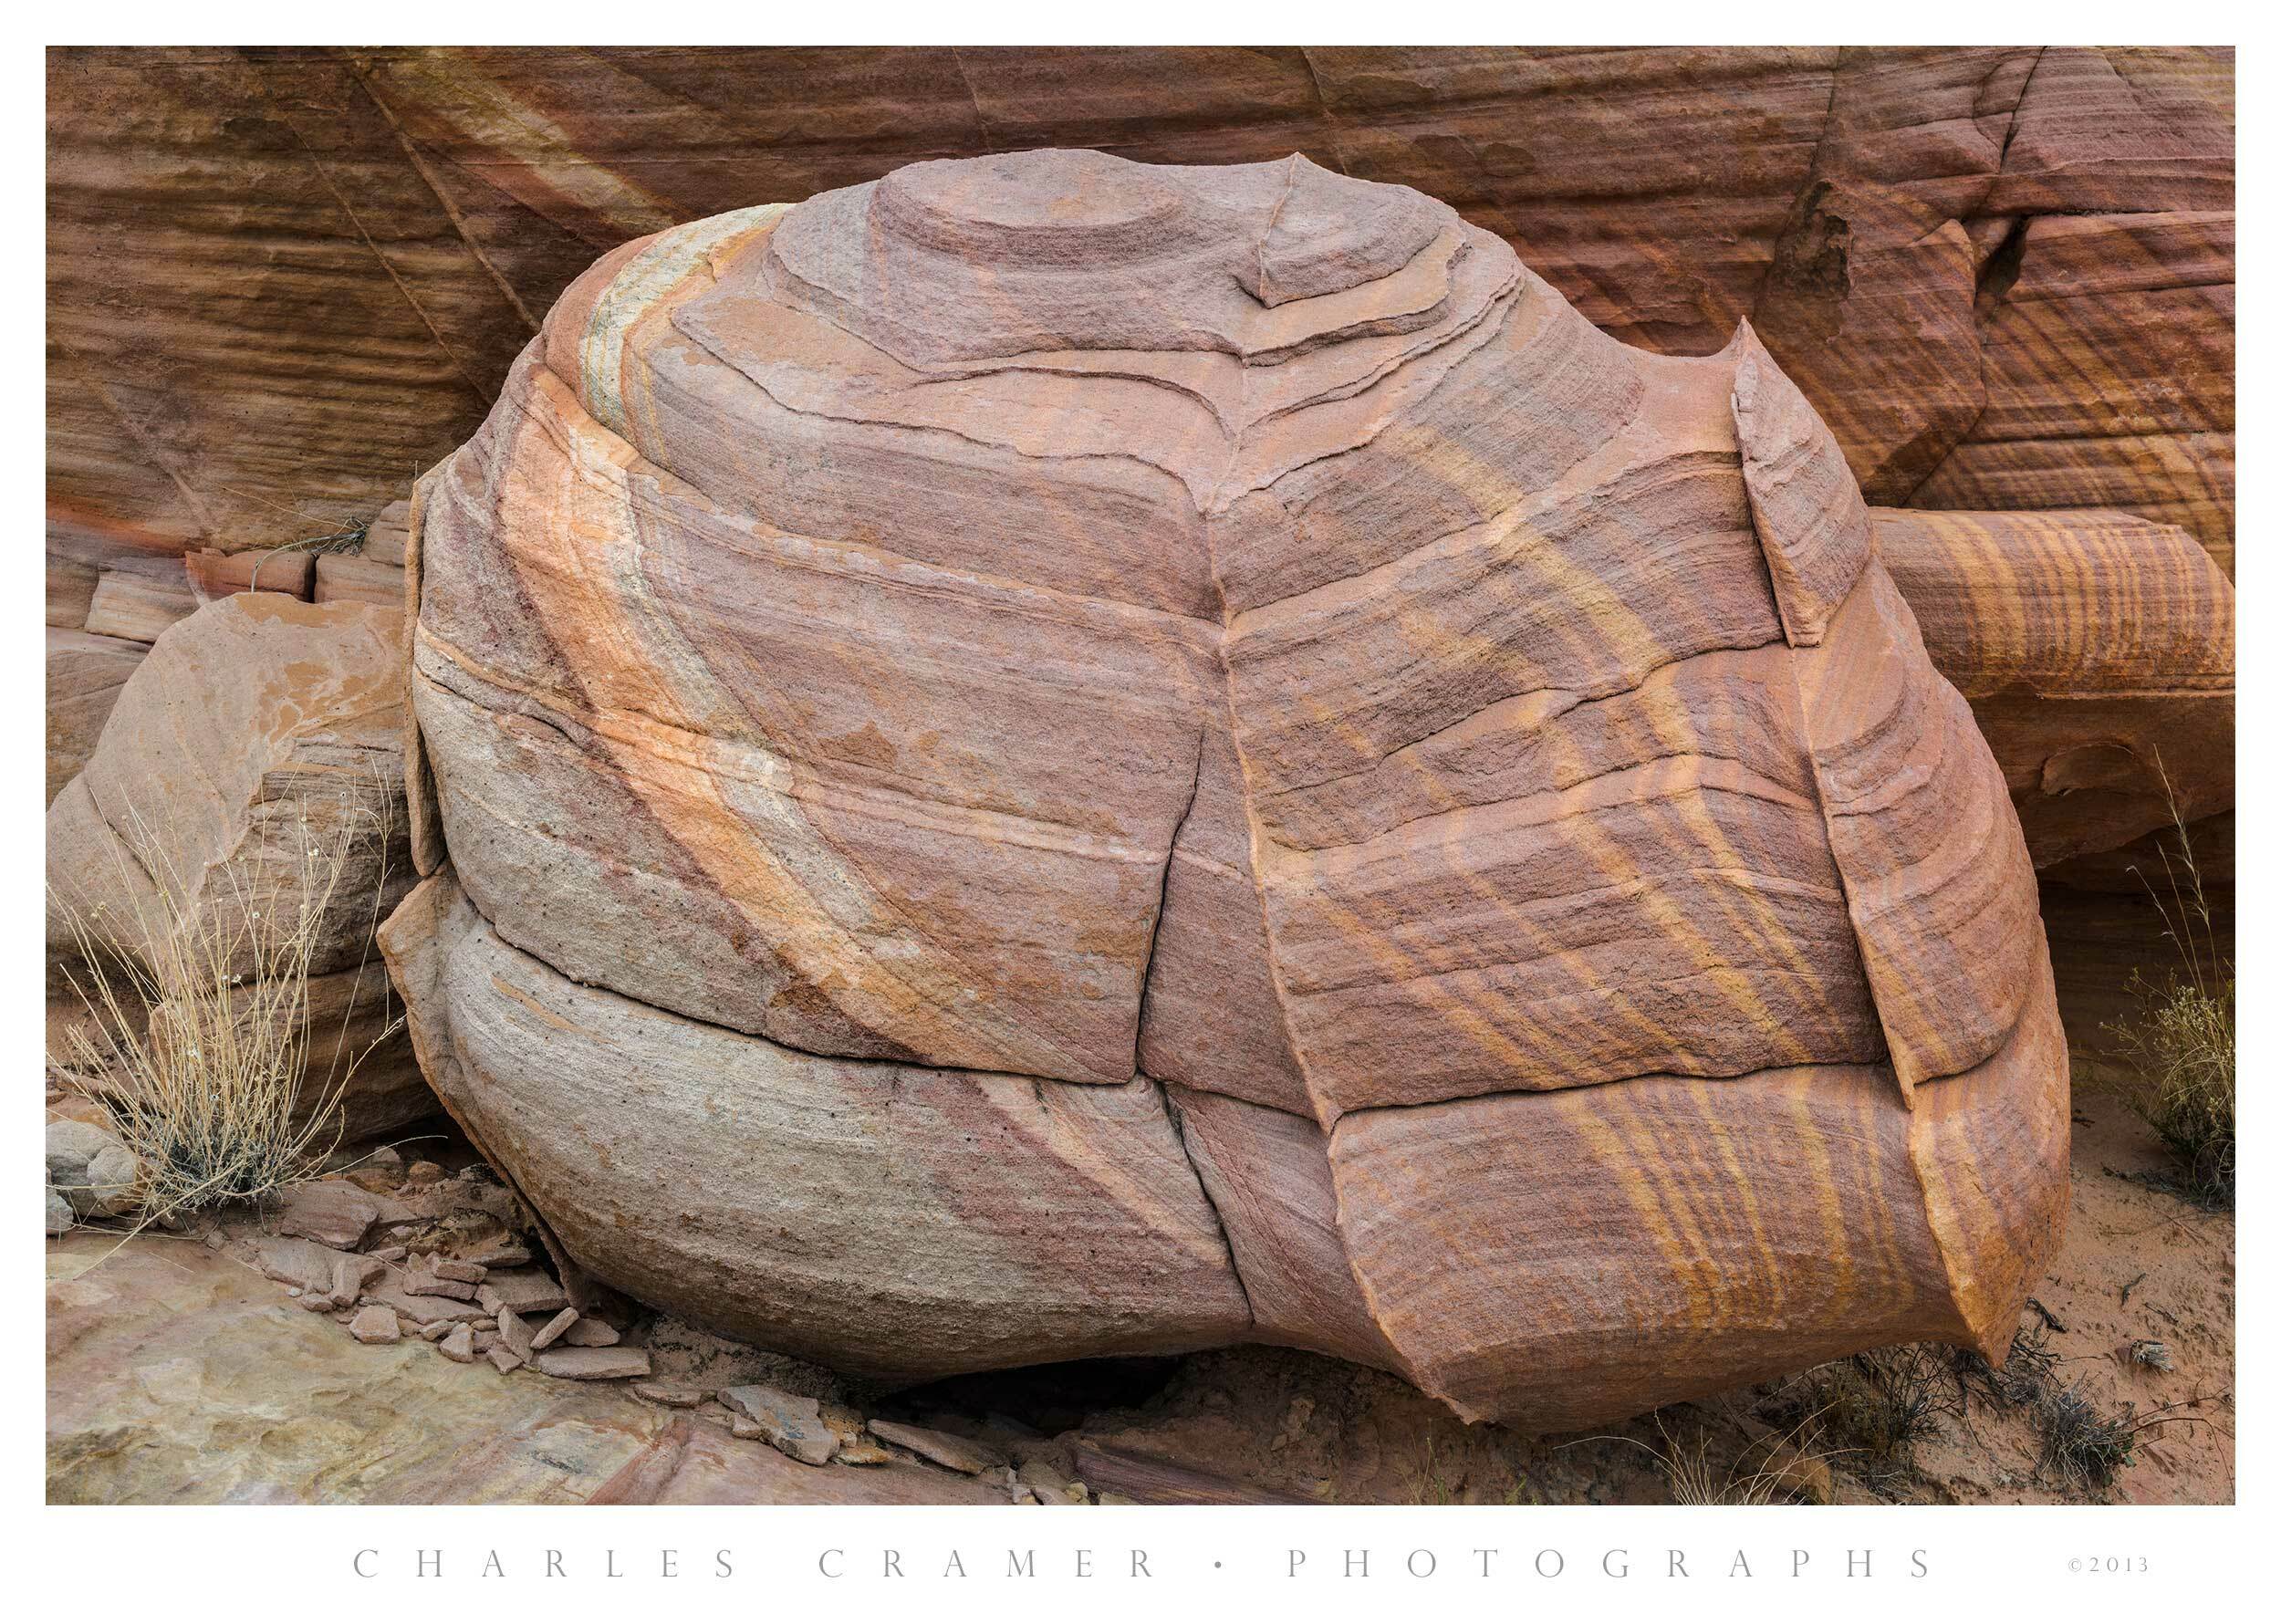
{"x": 201, "y": 1042}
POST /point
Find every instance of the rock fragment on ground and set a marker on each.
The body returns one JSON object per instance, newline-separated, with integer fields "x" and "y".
{"x": 945, "y": 1449}
{"x": 527, "y": 1291}
{"x": 375, "y": 1324}
{"x": 545, "y": 1337}
{"x": 460, "y": 1346}
{"x": 303, "y": 1266}
{"x": 330, "y": 1211}
{"x": 787, "y": 1421}
{"x": 593, "y": 1364}
{"x": 514, "y": 1332}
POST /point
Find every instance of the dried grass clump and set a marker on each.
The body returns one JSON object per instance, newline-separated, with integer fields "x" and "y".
{"x": 2085, "y": 1448}
{"x": 2181, "y": 1047}
{"x": 1874, "y": 1408}
{"x": 200, "y": 1047}
{"x": 1779, "y": 1469}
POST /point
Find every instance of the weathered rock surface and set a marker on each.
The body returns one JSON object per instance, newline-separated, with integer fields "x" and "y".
{"x": 84, "y": 676}
{"x": 255, "y": 738}
{"x": 874, "y": 647}
{"x": 787, "y": 1423}
{"x": 91, "y": 1169}
{"x": 2003, "y": 276}
{"x": 176, "y": 1375}
{"x": 1977, "y": 262}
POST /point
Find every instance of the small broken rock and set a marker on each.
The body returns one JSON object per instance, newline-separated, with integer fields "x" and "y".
{"x": 376, "y": 1324}
{"x": 500, "y": 1254}
{"x": 352, "y": 1276}
{"x": 527, "y": 1291}
{"x": 298, "y": 1263}
{"x": 388, "y": 1253}
{"x": 515, "y": 1333}
{"x": 945, "y": 1449}
{"x": 453, "y": 1268}
{"x": 503, "y": 1358}
{"x": 436, "y": 1330}
{"x": 594, "y": 1364}
{"x": 672, "y": 1397}
{"x": 460, "y": 1346}
{"x": 591, "y": 1333}
{"x": 329, "y": 1211}
{"x": 793, "y": 1426}
{"x": 547, "y": 1332}
{"x": 424, "y": 1172}
{"x": 431, "y": 1285}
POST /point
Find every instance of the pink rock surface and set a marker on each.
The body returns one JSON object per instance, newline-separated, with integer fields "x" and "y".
{"x": 899, "y": 676}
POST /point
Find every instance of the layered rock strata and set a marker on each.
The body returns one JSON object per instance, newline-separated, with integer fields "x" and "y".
{"x": 1050, "y": 756}
{"x": 254, "y": 762}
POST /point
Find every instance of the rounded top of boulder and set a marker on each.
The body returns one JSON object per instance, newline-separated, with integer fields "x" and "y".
{"x": 963, "y": 259}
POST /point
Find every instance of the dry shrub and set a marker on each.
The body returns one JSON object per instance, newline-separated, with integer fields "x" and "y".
{"x": 2026, "y": 1375}
{"x": 2182, "y": 1045}
{"x": 200, "y": 1046}
{"x": 2085, "y": 1448}
{"x": 1784, "y": 1463}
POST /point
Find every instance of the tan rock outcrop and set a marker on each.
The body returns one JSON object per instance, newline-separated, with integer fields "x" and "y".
{"x": 1051, "y": 756}
{"x": 257, "y": 737}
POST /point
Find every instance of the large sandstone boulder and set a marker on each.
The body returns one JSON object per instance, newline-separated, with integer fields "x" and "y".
{"x": 259, "y": 737}
{"x": 1051, "y": 757}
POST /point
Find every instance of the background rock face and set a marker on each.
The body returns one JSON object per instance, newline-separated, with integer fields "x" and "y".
{"x": 2003, "y": 277}
{"x": 890, "y": 670}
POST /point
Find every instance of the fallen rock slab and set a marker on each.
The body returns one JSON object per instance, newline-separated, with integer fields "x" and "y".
{"x": 459, "y": 1346}
{"x": 947, "y": 1450}
{"x": 305, "y": 1264}
{"x": 594, "y": 1364}
{"x": 527, "y": 1291}
{"x": 515, "y": 1333}
{"x": 331, "y": 1212}
{"x": 375, "y": 1324}
{"x": 546, "y": 1335}
{"x": 419, "y": 1309}
{"x": 785, "y": 1421}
